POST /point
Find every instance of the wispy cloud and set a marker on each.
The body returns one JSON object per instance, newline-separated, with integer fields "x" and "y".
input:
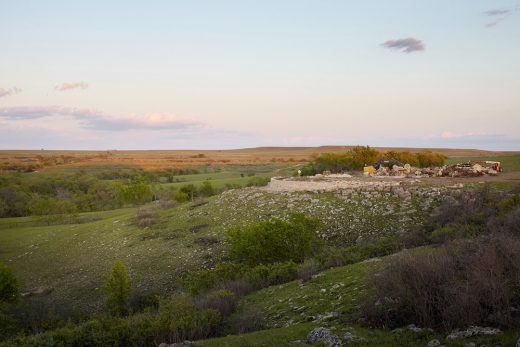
{"x": 407, "y": 45}
{"x": 9, "y": 91}
{"x": 70, "y": 86}
{"x": 94, "y": 119}
{"x": 496, "y": 12}
{"x": 498, "y": 16}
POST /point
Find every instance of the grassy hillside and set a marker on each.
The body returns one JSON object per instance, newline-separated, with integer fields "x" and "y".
{"x": 293, "y": 309}
{"x": 70, "y": 259}
{"x": 64, "y": 263}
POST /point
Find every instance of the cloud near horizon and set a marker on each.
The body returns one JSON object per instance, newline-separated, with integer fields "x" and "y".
{"x": 9, "y": 91}
{"x": 96, "y": 120}
{"x": 70, "y": 86}
{"x": 407, "y": 45}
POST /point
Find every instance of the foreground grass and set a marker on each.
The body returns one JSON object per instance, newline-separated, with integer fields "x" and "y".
{"x": 295, "y": 335}
{"x": 329, "y": 295}
{"x": 293, "y": 309}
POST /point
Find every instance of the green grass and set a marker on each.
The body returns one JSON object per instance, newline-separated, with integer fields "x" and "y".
{"x": 281, "y": 337}
{"x": 509, "y": 162}
{"x": 338, "y": 290}
{"x": 229, "y": 175}
{"x": 218, "y": 181}
{"x": 70, "y": 260}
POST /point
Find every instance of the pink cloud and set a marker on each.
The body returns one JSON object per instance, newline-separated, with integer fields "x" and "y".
{"x": 94, "y": 119}
{"x": 70, "y": 86}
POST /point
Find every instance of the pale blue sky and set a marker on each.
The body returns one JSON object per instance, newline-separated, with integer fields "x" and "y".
{"x": 227, "y": 74}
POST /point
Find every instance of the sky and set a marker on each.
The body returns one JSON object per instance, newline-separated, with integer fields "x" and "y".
{"x": 232, "y": 74}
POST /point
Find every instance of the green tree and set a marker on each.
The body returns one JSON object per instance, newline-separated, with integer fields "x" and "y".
{"x": 275, "y": 240}
{"x": 181, "y": 197}
{"x": 189, "y": 189}
{"x": 364, "y": 155}
{"x": 9, "y": 289}
{"x": 117, "y": 288}
{"x": 207, "y": 189}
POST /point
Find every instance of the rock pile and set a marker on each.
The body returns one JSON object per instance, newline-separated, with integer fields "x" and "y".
{"x": 324, "y": 336}
{"x": 457, "y": 170}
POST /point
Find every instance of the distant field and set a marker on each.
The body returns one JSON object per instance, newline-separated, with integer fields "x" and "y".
{"x": 164, "y": 159}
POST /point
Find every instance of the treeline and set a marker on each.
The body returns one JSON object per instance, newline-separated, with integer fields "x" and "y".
{"x": 359, "y": 156}
{"x": 26, "y": 164}
{"x": 62, "y": 196}
{"x": 23, "y": 195}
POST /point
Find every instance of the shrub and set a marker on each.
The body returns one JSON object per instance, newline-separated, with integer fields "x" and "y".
{"x": 282, "y": 272}
{"x": 430, "y": 159}
{"x": 275, "y": 240}
{"x": 200, "y": 281}
{"x": 467, "y": 282}
{"x": 238, "y": 287}
{"x": 454, "y": 231}
{"x": 117, "y": 288}
{"x": 238, "y": 278}
{"x": 247, "y": 321}
{"x": 258, "y": 181}
{"x": 466, "y": 207}
{"x": 180, "y": 321}
{"x": 9, "y": 290}
{"x": 174, "y": 321}
{"x": 181, "y": 197}
{"x": 144, "y": 217}
{"x": 207, "y": 189}
{"x": 509, "y": 222}
{"x": 308, "y": 269}
{"x": 221, "y": 300}
{"x": 190, "y": 190}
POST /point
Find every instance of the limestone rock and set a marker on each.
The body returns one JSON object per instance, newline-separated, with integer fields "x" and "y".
{"x": 325, "y": 336}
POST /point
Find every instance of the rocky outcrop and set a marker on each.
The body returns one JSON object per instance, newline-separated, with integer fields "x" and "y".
{"x": 324, "y": 336}
{"x": 473, "y": 331}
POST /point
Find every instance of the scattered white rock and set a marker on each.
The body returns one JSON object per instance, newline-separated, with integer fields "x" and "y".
{"x": 350, "y": 337}
{"x": 325, "y": 336}
{"x": 473, "y": 331}
{"x": 178, "y": 344}
{"x": 416, "y": 329}
{"x": 434, "y": 343}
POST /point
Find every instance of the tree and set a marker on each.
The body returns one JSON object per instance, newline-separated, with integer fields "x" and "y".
{"x": 9, "y": 290}
{"x": 117, "y": 288}
{"x": 364, "y": 155}
{"x": 189, "y": 189}
{"x": 207, "y": 189}
{"x": 275, "y": 240}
